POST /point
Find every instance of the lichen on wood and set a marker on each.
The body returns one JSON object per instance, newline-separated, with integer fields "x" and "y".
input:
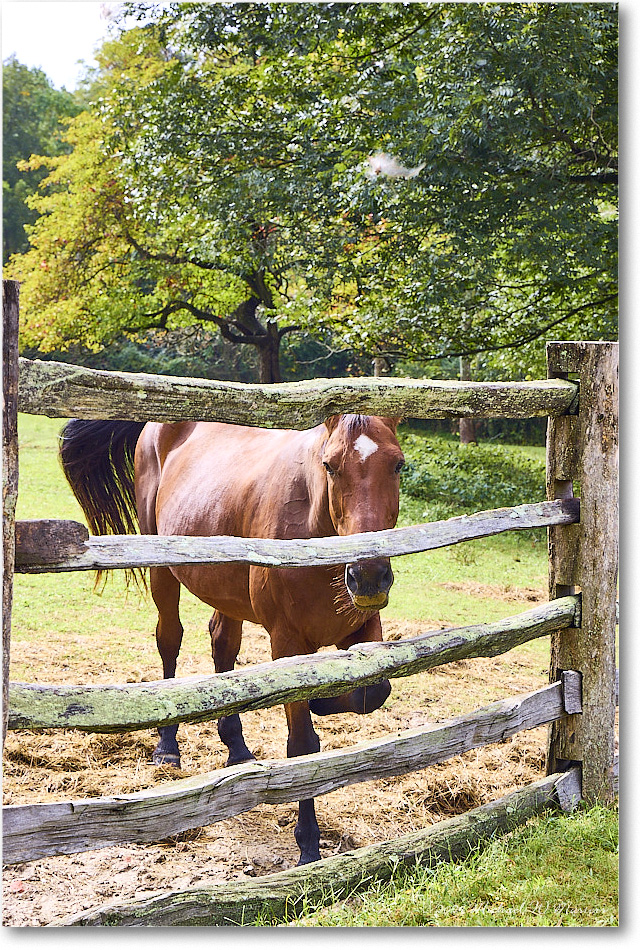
{"x": 196, "y": 699}
{"x": 280, "y": 895}
{"x": 62, "y": 390}
{"x": 582, "y": 451}
{"x": 10, "y": 315}
{"x": 36, "y": 830}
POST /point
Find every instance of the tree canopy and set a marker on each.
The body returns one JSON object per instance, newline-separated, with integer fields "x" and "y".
{"x": 420, "y": 180}
{"x": 33, "y": 116}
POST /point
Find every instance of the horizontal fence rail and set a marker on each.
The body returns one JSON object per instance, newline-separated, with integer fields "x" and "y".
{"x": 66, "y": 545}
{"x": 62, "y": 390}
{"x": 34, "y": 831}
{"x": 338, "y": 876}
{"x": 197, "y": 699}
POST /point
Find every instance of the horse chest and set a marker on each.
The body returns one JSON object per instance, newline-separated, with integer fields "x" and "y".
{"x": 311, "y": 604}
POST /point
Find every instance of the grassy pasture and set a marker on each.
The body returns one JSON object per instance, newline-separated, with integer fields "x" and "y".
{"x": 65, "y": 631}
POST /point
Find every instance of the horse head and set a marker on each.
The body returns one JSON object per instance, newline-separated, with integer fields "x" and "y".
{"x": 362, "y": 460}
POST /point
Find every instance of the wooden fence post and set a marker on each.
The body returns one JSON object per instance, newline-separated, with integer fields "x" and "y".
{"x": 582, "y": 457}
{"x": 10, "y": 316}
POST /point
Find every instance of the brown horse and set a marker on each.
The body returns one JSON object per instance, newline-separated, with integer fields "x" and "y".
{"x": 199, "y": 478}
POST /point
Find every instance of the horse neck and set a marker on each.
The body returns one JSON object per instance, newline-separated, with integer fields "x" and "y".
{"x": 319, "y": 520}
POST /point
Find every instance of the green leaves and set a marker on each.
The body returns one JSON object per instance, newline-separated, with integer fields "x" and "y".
{"x": 34, "y": 115}
{"x": 229, "y": 173}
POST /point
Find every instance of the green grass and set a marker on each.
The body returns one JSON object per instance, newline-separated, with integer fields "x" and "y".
{"x": 512, "y": 560}
{"x": 456, "y": 478}
{"x": 555, "y": 871}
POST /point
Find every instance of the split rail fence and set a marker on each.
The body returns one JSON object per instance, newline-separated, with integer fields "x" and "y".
{"x": 580, "y": 399}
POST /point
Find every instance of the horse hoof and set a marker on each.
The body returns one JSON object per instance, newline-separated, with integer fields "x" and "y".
{"x": 307, "y": 859}
{"x": 236, "y": 760}
{"x": 166, "y": 758}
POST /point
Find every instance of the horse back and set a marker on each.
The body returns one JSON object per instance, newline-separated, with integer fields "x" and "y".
{"x": 209, "y": 478}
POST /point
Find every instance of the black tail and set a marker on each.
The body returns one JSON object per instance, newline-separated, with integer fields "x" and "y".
{"x": 98, "y": 461}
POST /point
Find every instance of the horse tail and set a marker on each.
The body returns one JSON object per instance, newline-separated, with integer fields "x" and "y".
{"x": 98, "y": 461}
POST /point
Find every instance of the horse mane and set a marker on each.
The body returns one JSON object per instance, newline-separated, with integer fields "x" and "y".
{"x": 354, "y": 423}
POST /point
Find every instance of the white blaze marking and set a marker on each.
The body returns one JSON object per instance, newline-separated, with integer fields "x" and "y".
{"x": 365, "y": 446}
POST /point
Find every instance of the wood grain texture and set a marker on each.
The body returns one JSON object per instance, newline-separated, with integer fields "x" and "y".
{"x": 584, "y": 557}
{"x": 331, "y": 878}
{"x": 196, "y": 699}
{"x": 10, "y": 318}
{"x": 109, "y": 552}
{"x": 33, "y": 831}
{"x": 48, "y": 540}
{"x": 62, "y": 390}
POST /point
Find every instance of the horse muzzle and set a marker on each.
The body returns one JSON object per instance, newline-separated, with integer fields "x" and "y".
{"x": 369, "y": 582}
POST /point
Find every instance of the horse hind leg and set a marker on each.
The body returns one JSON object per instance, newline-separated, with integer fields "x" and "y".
{"x": 165, "y": 590}
{"x": 226, "y": 643}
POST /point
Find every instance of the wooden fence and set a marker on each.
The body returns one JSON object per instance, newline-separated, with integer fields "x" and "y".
{"x": 580, "y": 400}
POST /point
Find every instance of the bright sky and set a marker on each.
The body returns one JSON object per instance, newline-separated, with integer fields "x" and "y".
{"x": 53, "y": 35}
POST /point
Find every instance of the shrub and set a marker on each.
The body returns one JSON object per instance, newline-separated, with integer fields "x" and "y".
{"x": 465, "y": 478}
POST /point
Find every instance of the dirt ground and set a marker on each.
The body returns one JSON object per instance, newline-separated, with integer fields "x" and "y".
{"x": 57, "y": 766}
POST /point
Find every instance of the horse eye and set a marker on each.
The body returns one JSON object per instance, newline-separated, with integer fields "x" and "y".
{"x": 399, "y": 466}
{"x": 329, "y": 468}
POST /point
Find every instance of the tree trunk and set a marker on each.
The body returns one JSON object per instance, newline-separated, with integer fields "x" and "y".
{"x": 467, "y": 432}
{"x": 268, "y": 347}
{"x": 264, "y": 336}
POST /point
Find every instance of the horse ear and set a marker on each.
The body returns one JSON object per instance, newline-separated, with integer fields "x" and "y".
{"x": 392, "y": 422}
{"x": 331, "y": 423}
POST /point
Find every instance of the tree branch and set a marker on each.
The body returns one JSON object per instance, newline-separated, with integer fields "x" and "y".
{"x": 291, "y": 328}
{"x": 166, "y": 257}
{"x": 205, "y": 315}
{"x": 602, "y": 178}
{"x": 521, "y": 341}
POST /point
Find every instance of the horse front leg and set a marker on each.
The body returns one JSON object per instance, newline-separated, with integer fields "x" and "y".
{"x": 363, "y": 699}
{"x": 302, "y": 740}
{"x": 165, "y": 590}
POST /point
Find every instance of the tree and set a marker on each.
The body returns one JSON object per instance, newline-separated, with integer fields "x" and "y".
{"x": 509, "y": 232}
{"x": 424, "y": 180}
{"x": 33, "y": 124}
{"x": 505, "y": 229}
{"x": 138, "y": 232}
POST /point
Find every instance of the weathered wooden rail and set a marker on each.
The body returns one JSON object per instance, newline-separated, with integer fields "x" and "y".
{"x": 336, "y": 877}
{"x": 60, "y": 389}
{"x": 196, "y": 699}
{"x": 50, "y": 546}
{"x": 580, "y": 400}
{"x": 33, "y": 831}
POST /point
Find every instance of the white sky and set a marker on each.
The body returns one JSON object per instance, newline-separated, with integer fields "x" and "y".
{"x": 53, "y": 35}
